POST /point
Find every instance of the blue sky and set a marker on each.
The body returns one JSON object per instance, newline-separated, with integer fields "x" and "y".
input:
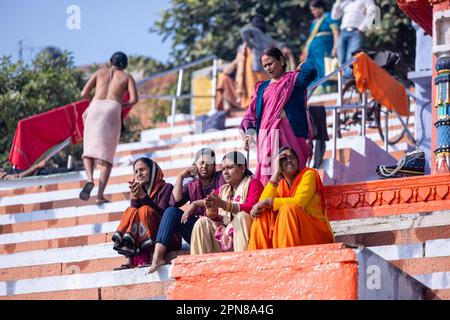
{"x": 106, "y": 26}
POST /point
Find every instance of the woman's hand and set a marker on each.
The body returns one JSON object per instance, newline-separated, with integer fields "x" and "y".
{"x": 213, "y": 202}
{"x": 189, "y": 172}
{"x": 247, "y": 140}
{"x": 133, "y": 194}
{"x": 137, "y": 192}
{"x": 256, "y": 210}
{"x": 260, "y": 206}
{"x": 334, "y": 52}
{"x": 188, "y": 212}
{"x": 277, "y": 168}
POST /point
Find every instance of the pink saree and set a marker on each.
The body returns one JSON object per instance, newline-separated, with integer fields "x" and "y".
{"x": 275, "y": 131}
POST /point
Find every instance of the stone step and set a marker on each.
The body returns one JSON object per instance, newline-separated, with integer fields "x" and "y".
{"x": 82, "y": 281}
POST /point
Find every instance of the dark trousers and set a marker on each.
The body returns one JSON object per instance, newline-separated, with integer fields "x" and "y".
{"x": 171, "y": 223}
{"x": 319, "y": 152}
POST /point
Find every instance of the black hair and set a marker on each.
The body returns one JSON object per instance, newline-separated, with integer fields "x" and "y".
{"x": 276, "y": 54}
{"x": 119, "y": 60}
{"x": 239, "y": 159}
{"x": 259, "y": 22}
{"x": 207, "y": 152}
{"x": 317, "y": 4}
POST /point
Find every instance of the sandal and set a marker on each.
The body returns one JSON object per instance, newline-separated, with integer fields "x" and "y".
{"x": 85, "y": 193}
{"x": 124, "y": 267}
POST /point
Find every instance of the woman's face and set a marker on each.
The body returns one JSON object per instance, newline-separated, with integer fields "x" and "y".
{"x": 205, "y": 167}
{"x": 289, "y": 163}
{"x": 232, "y": 173}
{"x": 316, "y": 12}
{"x": 141, "y": 173}
{"x": 273, "y": 67}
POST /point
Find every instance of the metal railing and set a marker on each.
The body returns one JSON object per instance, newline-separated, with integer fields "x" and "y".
{"x": 179, "y": 96}
{"x": 363, "y": 106}
{"x": 340, "y": 105}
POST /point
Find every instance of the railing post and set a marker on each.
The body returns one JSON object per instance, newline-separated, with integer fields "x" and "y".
{"x": 386, "y": 128}
{"x": 335, "y": 115}
{"x": 363, "y": 113}
{"x": 214, "y": 85}
{"x": 174, "y": 100}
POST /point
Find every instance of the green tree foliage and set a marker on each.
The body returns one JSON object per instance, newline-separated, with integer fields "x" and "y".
{"x": 199, "y": 27}
{"x": 50, "y": 81}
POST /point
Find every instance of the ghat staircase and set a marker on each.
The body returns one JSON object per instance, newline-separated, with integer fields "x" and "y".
{"x": 55, "y": 246}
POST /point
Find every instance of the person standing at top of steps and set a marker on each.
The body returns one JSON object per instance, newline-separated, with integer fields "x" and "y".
{"x": 206, "y": 180}
{"x": 291, "y": 210}
{"x": 102, "y": 121}
{"x": 278, "y": 114}
{"x": 150, "y": 195}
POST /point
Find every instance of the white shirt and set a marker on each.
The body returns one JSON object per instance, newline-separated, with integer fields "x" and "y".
{"x": 359, "y": 14}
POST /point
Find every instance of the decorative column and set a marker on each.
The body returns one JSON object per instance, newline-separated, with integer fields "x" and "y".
{"x": 441, "y": 110}
{"x": 442, "y": 82}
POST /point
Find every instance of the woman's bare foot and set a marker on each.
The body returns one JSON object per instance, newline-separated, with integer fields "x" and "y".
{"x": 156, "y": 264}
{"x": 101, "y": 201}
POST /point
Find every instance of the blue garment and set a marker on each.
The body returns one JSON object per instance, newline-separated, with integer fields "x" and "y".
{"x": 322, "y": 44}
{"x": 349, "y": 42}
{"x": 171, "y": 223}
{"x": 295, "y": 107}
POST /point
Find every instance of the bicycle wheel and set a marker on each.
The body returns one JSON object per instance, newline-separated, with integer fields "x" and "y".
{"x": 401, "y": 124}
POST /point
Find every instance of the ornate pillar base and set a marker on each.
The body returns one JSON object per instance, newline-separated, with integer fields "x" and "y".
{"x": 441, "y": 49}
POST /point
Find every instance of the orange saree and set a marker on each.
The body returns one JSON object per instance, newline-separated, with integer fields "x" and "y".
{"x": 298, "y": 216}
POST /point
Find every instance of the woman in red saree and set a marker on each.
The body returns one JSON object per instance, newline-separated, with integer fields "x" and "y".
{"x": 291, "y": 210}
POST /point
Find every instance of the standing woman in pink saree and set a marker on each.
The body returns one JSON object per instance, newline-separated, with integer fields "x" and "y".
{"x": 102, "y": 121}
{"x": 277, "y": 114}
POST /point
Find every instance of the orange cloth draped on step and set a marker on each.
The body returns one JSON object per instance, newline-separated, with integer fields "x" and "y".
{"x": 298, "y": 217}
{"x": 383, "y": 87}
{"x": 246, "y": 78}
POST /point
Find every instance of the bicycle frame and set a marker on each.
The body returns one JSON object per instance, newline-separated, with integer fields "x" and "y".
{"x": 363, "y": 106}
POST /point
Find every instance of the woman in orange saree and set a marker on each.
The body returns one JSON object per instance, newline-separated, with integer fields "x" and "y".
{"x": 291, "y": 210}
